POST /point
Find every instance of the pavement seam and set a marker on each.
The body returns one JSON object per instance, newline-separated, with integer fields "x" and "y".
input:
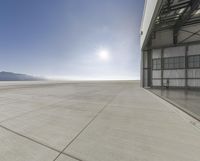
{"x": 28, "y": 138}
{"x": 47, "y": 146}
{"x": 176, "y": 105}
{"x": 37, "y": 142}
{"x": 86, "y": 126}
{"x": 188, "y": 120}
{"x": 71, "y": 156}
{"x": 44, "y": 106}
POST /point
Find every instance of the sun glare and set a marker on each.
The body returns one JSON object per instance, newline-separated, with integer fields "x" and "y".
{"x": 104, "y": 55}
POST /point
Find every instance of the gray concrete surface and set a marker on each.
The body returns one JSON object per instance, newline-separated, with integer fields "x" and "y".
{"x": 92, "y": 121}
{"x": 187, "y": 99}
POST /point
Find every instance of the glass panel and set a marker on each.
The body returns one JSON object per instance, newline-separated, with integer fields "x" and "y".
{"x": 174, "y": 63}
{"x": 156, "y": 63}
{"x": 194, "y": 61}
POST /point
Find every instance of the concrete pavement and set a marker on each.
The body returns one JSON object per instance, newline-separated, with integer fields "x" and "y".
{"x": 186, "y": 99}
{"x": 92, "y": 121}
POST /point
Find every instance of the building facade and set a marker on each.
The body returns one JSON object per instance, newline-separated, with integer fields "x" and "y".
{"x": 170, "y": 44}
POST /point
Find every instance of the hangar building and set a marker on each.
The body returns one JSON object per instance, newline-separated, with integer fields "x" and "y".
{"x": 170, "y": 44}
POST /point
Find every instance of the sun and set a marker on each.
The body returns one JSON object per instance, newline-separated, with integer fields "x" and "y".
{"x": 104, "y": 55}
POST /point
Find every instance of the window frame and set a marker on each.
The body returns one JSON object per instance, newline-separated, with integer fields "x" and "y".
{"x": 156, "y": 64}
{"x": 194, "y": 61}
{"x": 173, "y": 63}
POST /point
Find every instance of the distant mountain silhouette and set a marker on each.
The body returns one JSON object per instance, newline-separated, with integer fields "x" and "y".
{"x": 9, "y": 76}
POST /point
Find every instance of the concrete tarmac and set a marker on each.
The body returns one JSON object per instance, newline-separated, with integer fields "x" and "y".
{"x": 91, "y": 121}
{"x": 187, "y": 99}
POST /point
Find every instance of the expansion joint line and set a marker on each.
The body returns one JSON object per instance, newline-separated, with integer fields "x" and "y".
{"x": 37, "y": 142}
{"x": 86, "y": 126}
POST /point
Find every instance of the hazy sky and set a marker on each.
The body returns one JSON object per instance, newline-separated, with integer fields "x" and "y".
{"x": 75, "y": 39}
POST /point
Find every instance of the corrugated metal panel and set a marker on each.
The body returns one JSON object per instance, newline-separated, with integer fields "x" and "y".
{"x": 177, "y": 82}
{"x": 193, "y": 73}
{"x": 194, "y": 82}
{"x": 156, "y": 74}
{"x": 174, "y": 51}
{"x": 156, "y": 82}
{"x": 156, "y": 53}
{"x": 145, "y": 78}
{"x": 180, "y": 73}
{"x": 163, "y": 38}
{"x": 194, "y": 50}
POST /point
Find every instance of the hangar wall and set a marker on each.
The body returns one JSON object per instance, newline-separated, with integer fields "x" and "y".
{"x": 166, "y": 64}
{"x": 170, "y": 44}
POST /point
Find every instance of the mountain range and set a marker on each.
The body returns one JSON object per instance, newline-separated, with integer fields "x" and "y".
{"x": 9, "y": 76}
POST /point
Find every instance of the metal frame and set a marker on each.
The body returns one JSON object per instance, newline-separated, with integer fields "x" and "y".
{"x": 164, "y": 58}
{"x": 162, "y": 66}
{"x": 174, "y": 45}
{"x": 153, "y": 63}
{"x": 148, "y": 69}
{"x": 186, "y": 78}
{"x": 175, "y": 14}
{"x": 186, "y": 66}
{"x": 198, "y": 55}
{"x": 172, "y": 15}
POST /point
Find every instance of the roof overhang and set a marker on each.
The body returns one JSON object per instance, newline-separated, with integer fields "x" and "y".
{"x": 151, "y": 9}
{"x": 172, "y": 15}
